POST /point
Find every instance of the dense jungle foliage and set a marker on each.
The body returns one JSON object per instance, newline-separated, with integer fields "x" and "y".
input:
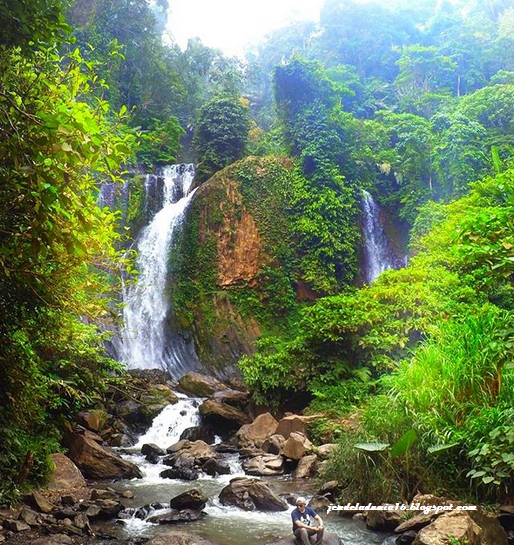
{"x": 414, "y": 373}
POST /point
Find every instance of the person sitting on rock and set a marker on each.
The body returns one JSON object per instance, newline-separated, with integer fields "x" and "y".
{"x": 302, "y": 524}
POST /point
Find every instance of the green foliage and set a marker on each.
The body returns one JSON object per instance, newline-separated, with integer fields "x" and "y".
{"x": 160, "y": 143}
{"x": 26, "y": 22}
{"x": 57, "y": 247}
{"x": 221, "y": 135}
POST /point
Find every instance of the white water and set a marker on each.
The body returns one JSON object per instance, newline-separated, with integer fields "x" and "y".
{"x": 379, "y": 255}
{"x": 168, "y": 425}
{"x": 145, "y": 342}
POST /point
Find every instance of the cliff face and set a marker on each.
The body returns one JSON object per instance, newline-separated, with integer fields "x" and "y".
{"x": 235, "y": 271}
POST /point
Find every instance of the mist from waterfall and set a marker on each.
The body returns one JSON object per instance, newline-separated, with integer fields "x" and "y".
{"x": 147, "y": 341}
{"x": 378, "y": 252}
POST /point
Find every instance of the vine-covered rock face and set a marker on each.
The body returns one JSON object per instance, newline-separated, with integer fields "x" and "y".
{"x": 236, "y": 271}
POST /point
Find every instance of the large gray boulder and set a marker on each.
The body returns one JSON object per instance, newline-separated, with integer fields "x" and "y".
{"x": 191, "y": 499}
{"x": 251, "y": 495}
{"x": 97, "y": 463}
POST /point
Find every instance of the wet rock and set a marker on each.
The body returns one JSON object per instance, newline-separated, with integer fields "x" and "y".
{"x": 274, "y": 444}
{"x": 224, "y": 416}
{"x": 129, "y": 411}
{"x": 267, "y": 465}
{"x": 406, "y": 538}
{"x": 213, "y": 467}
{"x": 152, "y": 458}
{"x": 192, "y": 499}
{"x": 142, "y": 513}
{"x": 330, "y": 487}
{"x": 184, "y": 473}
{"x": 324, "y": 451}
{"x": 174, "y": 516}
{"x": 328, "y": 539}
{"x": 103, "y": 494}
{"x": 384, "y": 520}
{"x": 152, "y": 448}
{"x": 200, "y": 385}
{"x": 102, "y": 508}
{"x": 258, "y": 431}
{"x": 296, "y": 446}
{"x": 306, "y": 467}
{"x": 178, "y": 538}
{"x": 251, "y": 495}
{"x": 472, "y": 526}
{"x": 151, "y": 376}
{"x": 290, "y": 424}
{"x": 96, "y": 462}
{"x": 226, "y": 448}
{"x": 198, "y": 433}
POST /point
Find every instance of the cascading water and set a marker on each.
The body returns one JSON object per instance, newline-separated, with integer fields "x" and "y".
{"x": 378, "y": 252}
{"x": 147, "y": 341}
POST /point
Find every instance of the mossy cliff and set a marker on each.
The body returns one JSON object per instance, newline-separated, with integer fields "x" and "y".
{"x": 235, "y": 272}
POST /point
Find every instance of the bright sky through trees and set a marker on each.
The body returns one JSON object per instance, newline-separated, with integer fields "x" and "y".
{"x": 232, "y": 24}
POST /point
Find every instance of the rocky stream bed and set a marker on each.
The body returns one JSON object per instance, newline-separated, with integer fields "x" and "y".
{"x": 199, "y": 467}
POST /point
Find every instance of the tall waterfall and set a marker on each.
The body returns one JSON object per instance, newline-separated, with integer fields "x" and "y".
{"x": 378, "y": 252}
{"x": 147, "y": 341}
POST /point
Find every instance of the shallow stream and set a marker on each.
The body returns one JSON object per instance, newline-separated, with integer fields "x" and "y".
{"x": 223, "y": 525}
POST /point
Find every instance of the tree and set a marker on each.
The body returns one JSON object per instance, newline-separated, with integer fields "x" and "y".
{"x": 221, "y": 134}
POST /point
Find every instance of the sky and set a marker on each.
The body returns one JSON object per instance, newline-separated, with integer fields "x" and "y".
{"x": 231, "y": 25}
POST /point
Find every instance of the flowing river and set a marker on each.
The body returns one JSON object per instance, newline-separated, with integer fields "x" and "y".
{"x": 223, "y": 525}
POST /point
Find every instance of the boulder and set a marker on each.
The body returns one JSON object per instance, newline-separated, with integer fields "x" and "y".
{"x": 178, "y": 538}
{"x": 328, "y": 539}
{"x": 251, "y": 495}
{"x": 330, "y": 487}
{"x": 43, "y": 505}
{"x": 198, "y": 450}
{"x": 103, "y": 494}
{"x": 324, "y": 451}
{"x": 174, "y": 516}
{"x": 406, "y": 538}
{"x": 200, "y": 385}
{"x": 221, "y": 415}
{"x": 420, "y": 519}
{"x": 66, "y": 474}
{"x": 290, "y": 424}
{"x": 384, "y": 520}
{"x": 30, "y": 517}
{"x": 320, "y": 502}
{"x": 92, "y": 420}
{"x": 232, "y": 397}
{"x": 213, "y": 467}
{"x": 267, "y": 465}
{"x": 197, "y": 433}
{"x": 274, "y": 444}
{"x": 296, "y": 446}
{"x": 183, "y": 469}
{"x": 258, "y": 431}
{"x": 472, "y": 526}
{"x": 192, "y": 499}
{"x": 101, "y": 508}
{"x": 15, "y": 525}
{"x": 306, "y": 467}
{"x": 152, "y": 449}
{"x": 96, "y": 462}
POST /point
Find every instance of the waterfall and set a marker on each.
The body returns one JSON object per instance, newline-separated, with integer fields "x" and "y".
{"x": 147, "y": 341}
{"x": 378, "y": 252}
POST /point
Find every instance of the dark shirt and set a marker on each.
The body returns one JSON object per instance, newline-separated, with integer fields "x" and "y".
{"x": 302, "y": 517}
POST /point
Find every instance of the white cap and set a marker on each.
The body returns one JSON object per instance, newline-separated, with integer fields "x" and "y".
{"x": 301, "y": 499}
